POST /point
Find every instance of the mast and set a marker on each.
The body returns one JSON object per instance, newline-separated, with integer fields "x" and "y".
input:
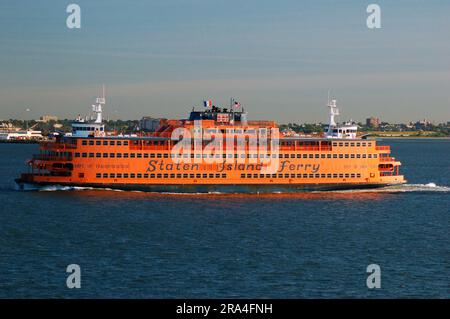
{"x": 334, "y": 111}
{"x": 97, "y": 108}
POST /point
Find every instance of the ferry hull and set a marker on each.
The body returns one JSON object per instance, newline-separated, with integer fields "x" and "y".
{"x": 210, "y": 188}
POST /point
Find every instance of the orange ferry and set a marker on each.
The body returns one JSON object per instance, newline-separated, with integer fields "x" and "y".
{"x": 92, "y": 158}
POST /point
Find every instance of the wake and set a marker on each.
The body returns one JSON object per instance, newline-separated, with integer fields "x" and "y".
{"x": 405, "y": 188}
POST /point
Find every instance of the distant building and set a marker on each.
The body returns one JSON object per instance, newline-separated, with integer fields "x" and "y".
{"x": 150, "y": 124}
{"x": 373, "y": 122}
{"x": 48, "y": 118}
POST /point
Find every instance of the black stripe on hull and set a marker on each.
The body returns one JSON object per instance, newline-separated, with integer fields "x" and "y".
{"x": 213, "y": 188}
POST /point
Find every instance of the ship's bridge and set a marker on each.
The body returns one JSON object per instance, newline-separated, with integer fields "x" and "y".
{"x": 91, "y": 126}
{"x": 219, "y": 115}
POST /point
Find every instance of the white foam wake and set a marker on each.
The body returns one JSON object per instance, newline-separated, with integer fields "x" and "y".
{"x": 404, "y": 188}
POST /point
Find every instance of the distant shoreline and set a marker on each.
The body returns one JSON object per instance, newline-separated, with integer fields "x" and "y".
{"x": 18, "y": 142}
{"x": 373, "y": 137}
{"x": 413, "y": 137}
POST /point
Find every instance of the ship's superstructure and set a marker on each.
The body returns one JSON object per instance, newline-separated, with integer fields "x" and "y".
{"x": 89, "y": 157}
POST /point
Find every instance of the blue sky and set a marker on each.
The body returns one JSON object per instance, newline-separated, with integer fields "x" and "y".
{"x": 279, "y": 58}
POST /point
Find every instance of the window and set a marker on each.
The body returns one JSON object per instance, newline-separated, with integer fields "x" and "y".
{"x": 83, "y": 142}
{"x": 105, "y": 155}
{"x": 112, "y": 143}
{"x": 139, "y": 155}
{"x": 98, "y": 143}
{"x": 119, "y": 175}
{"x": 132, "y": 175}
{"x": 105, "y": 175}
{"x": 139, "y": 175}
{"x": 81, "y": 175}
{"x": 84, "y": 155}
{"x": 105, "y": 143}
{"x": 98, "y": 155}
{"x": 91, "y": 142}
{"x": 125, "y": 175}
{"x": 125, "y": 155}
{"x": 125, "y": 143}
{"x": 77, "y": 154}
{"x": 132, "y": 155}
{"x": 91, "y": 154}
{"x": 98, "y": 175}
{"x": 119, "y": 155}
{"x": 119, "y": 143}
{"x": 112, "y": 155}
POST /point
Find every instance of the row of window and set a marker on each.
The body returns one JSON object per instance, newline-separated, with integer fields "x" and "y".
{"x": 165, "y": 155}
{"x": 146, "y": 142}
{"x": 104, "y": 143}
{"x": 329, "y": 175}
{"x": 172, "y": 175}
{"x": 352, "y": 144}
{"x": 120, "y": 143}
{"x": 218, "y": 175}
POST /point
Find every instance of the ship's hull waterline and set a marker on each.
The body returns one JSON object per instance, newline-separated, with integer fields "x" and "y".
{"x": 208, "y": 188}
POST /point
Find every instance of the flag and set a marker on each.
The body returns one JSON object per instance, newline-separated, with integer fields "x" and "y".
{"x": 237, "y": 104}
{"x": 207, "y": 103}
